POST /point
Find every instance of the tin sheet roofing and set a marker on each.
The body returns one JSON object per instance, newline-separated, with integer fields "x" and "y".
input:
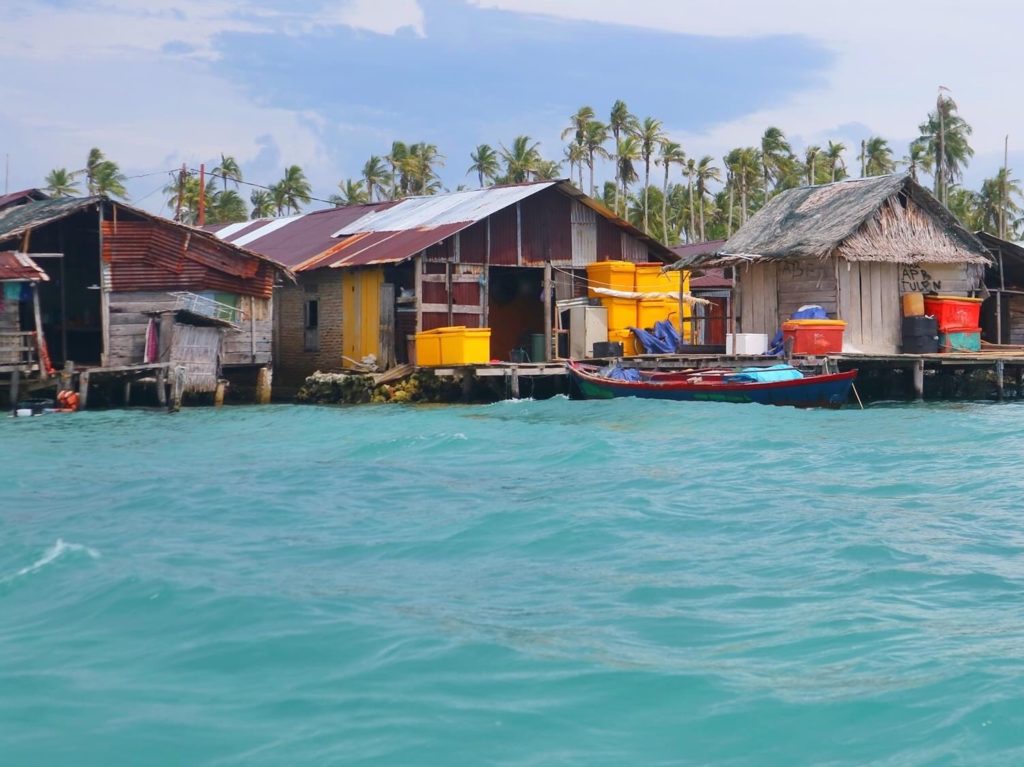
{"x": 444, "y": 209}
{"x": 18, "y": 266}
{"x": 294, "y": 240}
{"x": 394, "y": 231}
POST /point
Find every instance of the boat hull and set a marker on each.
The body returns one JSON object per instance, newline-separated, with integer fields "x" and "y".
{"x": 823, "y": 391}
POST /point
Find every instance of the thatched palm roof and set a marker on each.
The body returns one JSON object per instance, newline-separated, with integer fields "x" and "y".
{"x": 883, "y": 218}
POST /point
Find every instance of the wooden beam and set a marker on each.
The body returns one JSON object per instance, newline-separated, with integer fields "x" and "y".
{"x": 83, "y": 390}
{"x": 547, "y": 312}
{"x": 40, "y": 340}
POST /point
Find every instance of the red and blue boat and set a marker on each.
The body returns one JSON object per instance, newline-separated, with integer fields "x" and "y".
{"x": 778, "y": 385}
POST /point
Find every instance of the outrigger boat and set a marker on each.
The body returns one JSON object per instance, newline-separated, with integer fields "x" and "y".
{"x": 789, "y": 387}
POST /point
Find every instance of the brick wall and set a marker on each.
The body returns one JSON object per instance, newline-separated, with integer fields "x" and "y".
{"x": 292, "y": 363}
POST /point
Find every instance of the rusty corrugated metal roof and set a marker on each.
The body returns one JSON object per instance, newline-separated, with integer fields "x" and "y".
{"x": 19, "y": 267}
{"x": 294, "y": 240}
{"x": 394, "y": 231}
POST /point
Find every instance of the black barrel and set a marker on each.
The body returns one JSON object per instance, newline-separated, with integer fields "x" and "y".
{"x": 920, "y": 335}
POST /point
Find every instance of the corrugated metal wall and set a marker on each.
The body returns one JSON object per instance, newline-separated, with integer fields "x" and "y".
{"x": 609, "y": 241}
{"x": 584, "y": 234}
{"x": 633, "y": 249}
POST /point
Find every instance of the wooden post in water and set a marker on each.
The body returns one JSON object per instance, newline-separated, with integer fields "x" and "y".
{"x": 999, "y": 379}
{"x": 263, "y": 381}
{"x": 547, "y": 312}
{"x": 83, "y": 390}
{"x": 15, "y": 385}
{"x": 919, "y": 379}
{"x": 161, "y": 387}
{"x": 177, "y": 389}
{"x": 66, "y": 375}
{"x": 40, "y": 340}
{"x": 515, "y": 383}
{"x": 218, "y": 393}
{"x": 127, "y": 392}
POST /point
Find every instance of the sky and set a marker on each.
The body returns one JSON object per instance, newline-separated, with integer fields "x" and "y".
{"x": 326, "y": 83}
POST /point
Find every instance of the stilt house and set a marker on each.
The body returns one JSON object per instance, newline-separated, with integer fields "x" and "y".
{"x": 1002, "y": 314}
{"x": 120, "y": 287}
{"x": 370, "y": 276}
{"x": 853, "y": 247}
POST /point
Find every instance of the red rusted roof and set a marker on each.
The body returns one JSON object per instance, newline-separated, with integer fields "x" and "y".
{"x": 391, "y": 232}
{"x": 294, "y": 240}
{"x": 18, "y": 266}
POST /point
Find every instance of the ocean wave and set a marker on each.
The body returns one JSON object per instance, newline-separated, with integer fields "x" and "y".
{"x": 52, "y": 554}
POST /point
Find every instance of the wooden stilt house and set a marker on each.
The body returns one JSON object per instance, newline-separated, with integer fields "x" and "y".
{"x": 853, "y": 247}
{"x": 121, "y": 288}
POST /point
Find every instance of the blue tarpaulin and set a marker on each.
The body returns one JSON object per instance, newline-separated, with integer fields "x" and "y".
{"x": 765, "y": 375}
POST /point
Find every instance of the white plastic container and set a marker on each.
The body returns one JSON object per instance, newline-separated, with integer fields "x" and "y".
{"x": 746, "y": 343}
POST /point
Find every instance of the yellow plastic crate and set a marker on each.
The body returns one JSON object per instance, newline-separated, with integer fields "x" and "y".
{"x": 649, "y": 279}
{"x": 621, "y": 312}
{"x": 465, "y": 346}
{"x": 615, "y": 275}
{"x": 428, "y": 349}
{"x": 651, "y": 310}
{"x": 627, "y": 339}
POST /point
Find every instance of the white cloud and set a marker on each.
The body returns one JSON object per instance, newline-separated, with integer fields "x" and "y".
{"x": 890, "y": 58}
{"x": 101, "y": 75}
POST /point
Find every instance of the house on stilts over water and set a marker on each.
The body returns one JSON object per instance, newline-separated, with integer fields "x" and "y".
{"x": 371, "y": 276}
{"x": 854, "y": 248}
{"x": 122, "y": 294}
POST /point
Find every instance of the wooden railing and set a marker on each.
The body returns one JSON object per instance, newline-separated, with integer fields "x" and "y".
{"x": 17, "y": 350}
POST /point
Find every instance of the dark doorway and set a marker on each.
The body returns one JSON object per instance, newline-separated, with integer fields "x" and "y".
{"x": 515, "y": 311}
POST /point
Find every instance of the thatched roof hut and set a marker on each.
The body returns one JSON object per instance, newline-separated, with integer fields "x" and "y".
{"x": 881, "y": 218}
{"x": 852, "y": 247}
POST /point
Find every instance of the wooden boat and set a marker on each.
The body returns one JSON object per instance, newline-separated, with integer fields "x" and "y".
{"x": 827, "y": 391}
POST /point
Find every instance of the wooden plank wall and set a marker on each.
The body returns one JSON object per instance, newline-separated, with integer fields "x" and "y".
{"x": 808, "y": 281}
{"x": 758, "y": 299}
{"x": 129, "y": 318}
{"x": 869, "y": 303}
{"x": 1016, "y": 313}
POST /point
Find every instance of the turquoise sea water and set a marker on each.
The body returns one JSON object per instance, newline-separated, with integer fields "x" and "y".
{"x": 527, "y": 583}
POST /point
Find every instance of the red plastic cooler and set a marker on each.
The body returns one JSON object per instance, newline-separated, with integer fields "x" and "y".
{"x": 814, "y": 336}
{"x": 954, "y": 311}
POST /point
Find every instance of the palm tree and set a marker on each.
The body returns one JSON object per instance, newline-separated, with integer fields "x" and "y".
{"x": 945, "y": 135}
{"x": 395, "y": 158}
{"x": 418, "y": 174}
{"x": 834, "y": 157}
{"x": 226, "y": 207}
{"x": 92, "y": 162}
{"x": 706, "y": 171}
{"x": 691, "y": 171}
{"x": 776, "y": 156}
{"x": 485, "y": 164}
{"x": 878, "y": 157}
{"x": 649, "y": 135}
{"x": 964, "y": 204}
{"x": 228, "y": 170}
{"x": 292, "y": 189}
{"x": 109, "y": 180}
{"x": 262, "y": 204}
{"x": 578, "y": 124}
{"x": 576, "y": 156}
{"x": 376, "y": 177}
{"x": 594, "y": 136}
{"x": 352, "y": 193}
{"x": 917, "y": 159}
{"x": 547, "y": 170}
{"x": 103, "y": 176}
{"x": 60, "y": 182}
{"x": 521, "y": 160}
{"x": 627, "y": 153}
{"x": 811, "y": 155}
{"x": 997, "y": 206}
{"x": 745, "y": 165}
{"x": 620, "y": 121}
{"x": 671, "y": 154}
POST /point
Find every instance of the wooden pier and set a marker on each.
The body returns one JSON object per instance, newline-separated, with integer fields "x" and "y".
{"x": 998, "y": 370}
